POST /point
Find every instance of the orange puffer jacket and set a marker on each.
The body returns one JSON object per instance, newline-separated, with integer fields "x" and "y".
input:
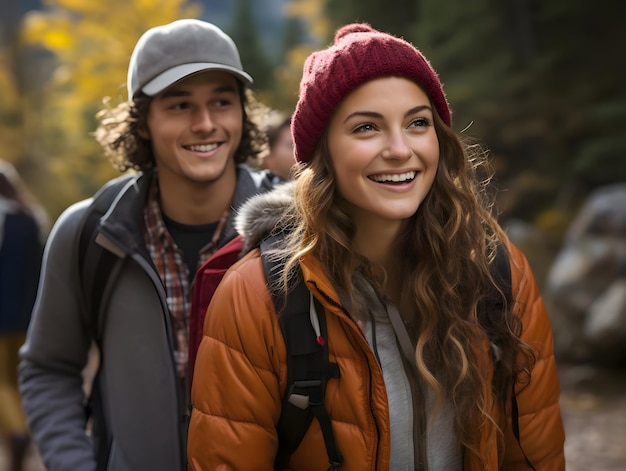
{"x": 241, "y": 373}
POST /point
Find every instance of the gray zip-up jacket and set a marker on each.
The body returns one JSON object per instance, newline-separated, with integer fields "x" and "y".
{"x": 143, "y": 405}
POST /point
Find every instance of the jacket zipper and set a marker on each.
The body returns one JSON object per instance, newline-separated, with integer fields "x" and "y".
{"x": 181, "y": 404}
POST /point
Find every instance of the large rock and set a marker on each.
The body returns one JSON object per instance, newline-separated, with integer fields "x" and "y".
{"x": 585, "y": 290}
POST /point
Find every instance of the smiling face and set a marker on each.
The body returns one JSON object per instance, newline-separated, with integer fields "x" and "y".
{"x": 195, "y": 127}
{"x": 385, "y": 151}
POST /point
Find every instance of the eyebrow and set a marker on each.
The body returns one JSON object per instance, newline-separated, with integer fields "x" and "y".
{"x": 373, "y": 114}
{"x": 180, "y": 92}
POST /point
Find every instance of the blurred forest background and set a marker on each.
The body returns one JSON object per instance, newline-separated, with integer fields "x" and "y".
{"x": 541, "y": 83}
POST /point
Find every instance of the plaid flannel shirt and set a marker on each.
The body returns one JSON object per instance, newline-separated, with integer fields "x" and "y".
{"x": 174, "y": 273}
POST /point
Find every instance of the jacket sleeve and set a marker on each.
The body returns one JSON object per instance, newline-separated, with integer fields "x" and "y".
{"x": 55, "y": 353}
{"x": 239, "y": 371}
{"x": 541, "y": 428}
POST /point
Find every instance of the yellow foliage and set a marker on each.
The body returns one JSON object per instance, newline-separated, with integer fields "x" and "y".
{"x": 57, "y": 39}
{"x": 93, "y": 42}
{"x": 34, "y": 28}
{"x": 11, "y": 140}
{"x": 9, "y": 98}
{"x": 305, "y": 8}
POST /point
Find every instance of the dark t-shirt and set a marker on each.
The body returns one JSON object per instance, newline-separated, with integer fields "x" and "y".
{"x": 190, "y": 239}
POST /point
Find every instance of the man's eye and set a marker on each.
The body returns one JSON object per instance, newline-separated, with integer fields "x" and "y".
{"x": 222, "y": 103}
{"x": 180, "y": 106}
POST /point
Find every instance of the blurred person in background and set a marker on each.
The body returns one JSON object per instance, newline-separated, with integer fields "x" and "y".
{"x": 279, "y": 160}
{"x": 188, "y": 126}
{"x": 22, "y": 232}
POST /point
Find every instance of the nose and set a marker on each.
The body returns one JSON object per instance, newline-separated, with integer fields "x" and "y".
{"x": 202, "y": 121}
{"x": 397, "y": 147}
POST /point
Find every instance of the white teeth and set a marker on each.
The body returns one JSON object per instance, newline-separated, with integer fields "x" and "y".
{"x": 396, "y": 177}
{"x": 202, "y": 148}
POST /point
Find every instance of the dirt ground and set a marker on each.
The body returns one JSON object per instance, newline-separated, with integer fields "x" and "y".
{"x": 593, "y": 404}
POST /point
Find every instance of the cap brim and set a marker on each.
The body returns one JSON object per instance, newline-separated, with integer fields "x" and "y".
{"x": 173, "y": 75}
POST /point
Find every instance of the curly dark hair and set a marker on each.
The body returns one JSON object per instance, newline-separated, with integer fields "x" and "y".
{"x": 118, "y": 131}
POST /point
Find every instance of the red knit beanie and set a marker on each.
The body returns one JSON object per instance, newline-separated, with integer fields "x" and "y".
{"x": 359, "y": 54}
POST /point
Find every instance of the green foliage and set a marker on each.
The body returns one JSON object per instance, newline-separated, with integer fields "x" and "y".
{"x": 253, "y": 56}
{"x": 396, "y": 17}
{"x": 293, "y": 34}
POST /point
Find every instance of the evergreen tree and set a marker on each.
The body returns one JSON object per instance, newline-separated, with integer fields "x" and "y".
{"x": 583, "y": 77}
{"x": 294, "y": 33}
{"x": 245, "y": 33}
{"x": 393, "y": 16}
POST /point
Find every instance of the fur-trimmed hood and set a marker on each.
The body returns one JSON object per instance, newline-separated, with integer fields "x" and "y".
{"x": 264, "y": 214}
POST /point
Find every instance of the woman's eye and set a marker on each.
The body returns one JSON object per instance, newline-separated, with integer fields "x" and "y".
{"x": 419, "y": 122}
{"x": 180, "y": 106}
{"x": 364, "y": 128}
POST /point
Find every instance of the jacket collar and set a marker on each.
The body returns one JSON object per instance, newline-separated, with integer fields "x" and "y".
{"x": 123, "y": 222}
{"x": 261, "y": 215}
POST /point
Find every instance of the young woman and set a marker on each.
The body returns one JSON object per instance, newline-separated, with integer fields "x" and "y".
{"x": 389, "y": 221}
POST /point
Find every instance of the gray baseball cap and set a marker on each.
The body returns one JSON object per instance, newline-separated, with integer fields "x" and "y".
{"x": 168, "y": 53}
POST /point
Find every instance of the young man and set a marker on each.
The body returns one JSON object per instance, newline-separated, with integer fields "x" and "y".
{"x": 187, "y": 128}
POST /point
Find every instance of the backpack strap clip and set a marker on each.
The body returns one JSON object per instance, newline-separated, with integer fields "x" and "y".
{"x": 298, "y": 396}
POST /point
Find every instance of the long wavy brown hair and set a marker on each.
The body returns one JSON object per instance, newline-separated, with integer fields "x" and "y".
{"x": 118, "y": 131}
{"x": 444, "y": 255}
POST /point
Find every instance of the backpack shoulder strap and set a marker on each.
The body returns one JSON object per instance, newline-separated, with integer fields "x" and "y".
{"x": 494, "y": 304}
{"x": 501, "y": 272}
{"x": 95, "y": 263}
{"x": 308, "y": 367}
